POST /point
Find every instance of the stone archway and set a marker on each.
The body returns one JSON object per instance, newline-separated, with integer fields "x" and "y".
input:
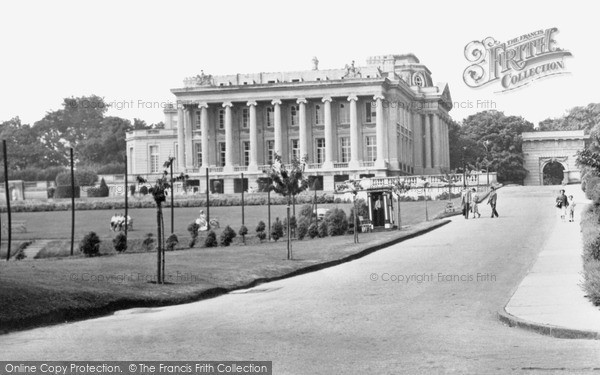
{"x": 553, "y": 172}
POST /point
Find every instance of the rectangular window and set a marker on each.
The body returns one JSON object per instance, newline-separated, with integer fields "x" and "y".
{"x": 320, "y": 150}
{"x": 370, "y": 110}
{"x": 345, "y": 149}
{"x": 154, "y": 156}
{"x": 245, "y": 117}
{"x": 371, "y": 144}
{"x": 221, "y": 118}
{"x": 295, "y": 147}
{"x": 246, "y": 152}
{"x": 294, "y": 115}
{"x": 197, "y": 124}
{"x": 344, "y": 113}
{"x": 318, "y": 115}
{"x": 270, "y": 151}
{"x": 198, "y": 154}
{"x": 222, "y": 154}
{"x": 270, "y": 117}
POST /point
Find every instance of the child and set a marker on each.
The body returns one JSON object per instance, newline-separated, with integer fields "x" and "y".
{"x": 571, "y": 208}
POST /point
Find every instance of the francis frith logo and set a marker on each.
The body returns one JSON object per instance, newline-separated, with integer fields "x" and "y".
{"x": 514, "y": 63}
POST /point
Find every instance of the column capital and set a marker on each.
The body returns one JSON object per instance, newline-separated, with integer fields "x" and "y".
{"x": 252, "y": 103}
{"x": 301, "y": 101}
{"x": 352, "y": 98}
{"x": 378, "y": 97}
{"x": 276, "y": 102}
{"x": 227, "y": 104}
{"x": 327, "y": 99}
{"x": 202, "y": 105}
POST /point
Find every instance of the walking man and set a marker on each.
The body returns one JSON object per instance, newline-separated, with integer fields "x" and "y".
{"x": 492, "y": 201}
{"x": 466, "y": 202}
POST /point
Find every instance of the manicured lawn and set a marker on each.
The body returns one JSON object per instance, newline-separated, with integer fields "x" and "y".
{"x": 62, "y": 289}
{"x": 57, "y": 224}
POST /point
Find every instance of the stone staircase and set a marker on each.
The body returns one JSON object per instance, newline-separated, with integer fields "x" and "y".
{"x": 32, "y": 250}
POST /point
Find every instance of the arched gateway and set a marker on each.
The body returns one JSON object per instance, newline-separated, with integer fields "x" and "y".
{"x": 550, "y": 157}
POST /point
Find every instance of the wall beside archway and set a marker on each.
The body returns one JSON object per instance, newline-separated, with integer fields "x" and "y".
{"x": 542, "y": 148}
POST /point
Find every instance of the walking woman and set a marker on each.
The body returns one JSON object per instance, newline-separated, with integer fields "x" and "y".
{"x": 562, "y": 203}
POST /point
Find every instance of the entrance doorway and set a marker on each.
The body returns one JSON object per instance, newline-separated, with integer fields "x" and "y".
{"x": 553, "y": 173}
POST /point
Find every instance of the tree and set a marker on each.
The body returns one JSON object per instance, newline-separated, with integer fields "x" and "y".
{"x": 505, "y": 149}
{"x": 576, "y": 118}
{"x": 288, "y": 183}
{"x": 158, "y": 193}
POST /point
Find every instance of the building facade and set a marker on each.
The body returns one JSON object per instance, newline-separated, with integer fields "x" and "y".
{"x": 542, "y": 149}
{"x": 386, "y": 118}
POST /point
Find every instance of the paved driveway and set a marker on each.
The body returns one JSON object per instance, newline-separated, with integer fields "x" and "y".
{"x": 439, "y": 317}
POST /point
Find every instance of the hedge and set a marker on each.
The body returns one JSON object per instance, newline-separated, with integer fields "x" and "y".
{"x": 60, "y": 192}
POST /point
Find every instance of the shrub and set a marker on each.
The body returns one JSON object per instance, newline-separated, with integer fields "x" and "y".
{"x": 243, "y": 232}
{"x": 211, "y": 239}
{"x": 313, "y": 230}
{"x": 193, "y": 229}
{"x": 103, "y": 189}
{"x": 90, "y": 244}
{"x": 51, "y": 191}
{"x": 293, "y": 224}
{"x": 227, "y": 236}
{"x": 65, "y": 192}
{"x": 120, "y": 242}
{"x": 261, "y": 235}
{"x": 172, "y": 241}
{"x": 307, "y": 212}
{"x": 363, "y": 210}
{"x": 276, "y": 229}
{"x": 322, "y": 229}
{"x": 261, "y": 227}
{"x": 302, "y": 229}
{"x": 144, "y": 190}
{"x": 148, "y": 242}
{"x": 337, "y": 223}
{"x": 132, "y": 190}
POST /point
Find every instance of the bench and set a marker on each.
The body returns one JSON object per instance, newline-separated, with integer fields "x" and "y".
{"x": 18, "y": 226}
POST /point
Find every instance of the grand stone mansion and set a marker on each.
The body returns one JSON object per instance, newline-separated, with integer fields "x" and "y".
{"x": 386, "y": 118}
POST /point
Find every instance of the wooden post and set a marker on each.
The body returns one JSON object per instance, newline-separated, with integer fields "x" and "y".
{"x": 269, "y": 211}
{"x": 7, "y": 192}
{"x": 126, "y": 203}
{"x": 426, "y": 211}
{"x": 172, "y": 200}
{"x": 72, "y": 203}
{"x": 207, "y": 200}
{"x": 243, "y": 199}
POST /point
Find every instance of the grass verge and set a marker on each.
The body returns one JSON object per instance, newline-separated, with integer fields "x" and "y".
{"x": 61, "y": 290}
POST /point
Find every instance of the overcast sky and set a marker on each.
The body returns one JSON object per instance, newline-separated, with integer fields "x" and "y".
{"x": 137, "y": 51}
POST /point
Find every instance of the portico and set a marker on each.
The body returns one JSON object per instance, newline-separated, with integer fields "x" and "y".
{"x": 347, "y": 123}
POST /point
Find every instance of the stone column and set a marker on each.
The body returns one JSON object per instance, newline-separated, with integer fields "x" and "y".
{"x": 427, "y": 144}
{"x": 328, "y": 133}
{"x": 189, "y": 145}
{"x": 277, "y": 125}
{"x": 437, "y": 142}
{"x": 204, "y": 129}
{"x": 302, "y": 128}
{"x": 228, "y": 137}
{"x": 380, "y": 132}
{"x": 253, "y": 162}
{"x": 180, "y": 140}
{"x": 355, "y": 154}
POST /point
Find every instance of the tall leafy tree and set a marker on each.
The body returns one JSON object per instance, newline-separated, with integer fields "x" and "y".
{"x": 577, "y": 118}
{"x": 505, "y": 144}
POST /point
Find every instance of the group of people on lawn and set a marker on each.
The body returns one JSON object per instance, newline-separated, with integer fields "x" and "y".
{"x": 471, "y": 200}
{"x": 117, "y": 222}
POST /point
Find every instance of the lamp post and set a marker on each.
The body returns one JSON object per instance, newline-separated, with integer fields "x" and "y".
{"x": 486, "y": 144}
